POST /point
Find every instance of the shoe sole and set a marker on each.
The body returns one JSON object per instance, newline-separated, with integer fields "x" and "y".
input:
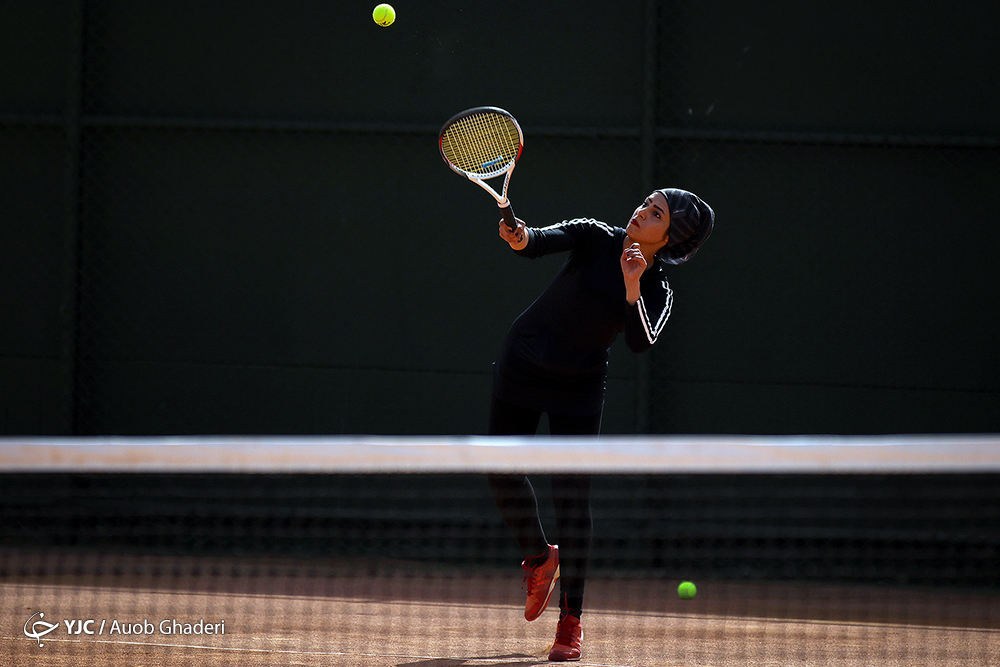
{"x": 577, "y": 659}
{"x": 551, "y": 659}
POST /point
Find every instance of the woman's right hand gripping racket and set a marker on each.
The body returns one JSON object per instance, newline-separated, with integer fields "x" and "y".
{"x": 483, "y": 143}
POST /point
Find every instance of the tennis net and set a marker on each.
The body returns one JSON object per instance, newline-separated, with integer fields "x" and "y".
{"x": 818, "y": 550}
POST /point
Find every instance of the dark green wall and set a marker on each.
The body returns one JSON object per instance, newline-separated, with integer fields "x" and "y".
{"x": 200, "y": 235}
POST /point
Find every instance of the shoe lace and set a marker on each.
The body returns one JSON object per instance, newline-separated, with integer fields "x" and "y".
{"x": 564, "y": 631}
{"x": 534, "y": 576}
{"x": 530, "y": 581}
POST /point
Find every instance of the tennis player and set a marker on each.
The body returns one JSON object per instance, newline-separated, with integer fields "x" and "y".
{"x": 555, "y": 360}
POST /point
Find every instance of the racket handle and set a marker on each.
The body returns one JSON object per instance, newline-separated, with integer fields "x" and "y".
{"x": 508, "y": 216}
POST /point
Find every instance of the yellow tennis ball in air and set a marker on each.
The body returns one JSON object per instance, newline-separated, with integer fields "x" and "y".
{"x": 687, "y": 590}
{"x": 384, "y": 15}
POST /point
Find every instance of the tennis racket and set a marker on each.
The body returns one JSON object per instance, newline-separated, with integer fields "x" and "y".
{"x": 483, "y": 143}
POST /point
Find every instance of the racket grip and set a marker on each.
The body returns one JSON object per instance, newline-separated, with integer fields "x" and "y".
{"x": 508, "y": 216}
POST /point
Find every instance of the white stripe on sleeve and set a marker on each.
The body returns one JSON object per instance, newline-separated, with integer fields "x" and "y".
{"x": 653, "y": 330}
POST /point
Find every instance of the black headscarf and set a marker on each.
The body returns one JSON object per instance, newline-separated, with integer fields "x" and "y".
{"x": 691, "y": 222}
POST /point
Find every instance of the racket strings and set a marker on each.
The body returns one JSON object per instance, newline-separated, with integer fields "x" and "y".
{"x": 483, "y": 144}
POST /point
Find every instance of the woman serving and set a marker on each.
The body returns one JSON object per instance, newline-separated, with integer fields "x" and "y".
{"x": 554, "y": 360}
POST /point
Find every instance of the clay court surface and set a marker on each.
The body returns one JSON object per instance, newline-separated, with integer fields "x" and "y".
{"x": 414, "y": 615}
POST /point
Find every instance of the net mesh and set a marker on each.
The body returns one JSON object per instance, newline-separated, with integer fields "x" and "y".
{"x": 257, "y": 553}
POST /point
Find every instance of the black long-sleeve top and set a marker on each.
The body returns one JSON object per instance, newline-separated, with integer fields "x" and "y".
{"x": 555, "y": 356}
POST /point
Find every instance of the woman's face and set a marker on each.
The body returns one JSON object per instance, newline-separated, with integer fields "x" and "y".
{"x": 651, "y": 221}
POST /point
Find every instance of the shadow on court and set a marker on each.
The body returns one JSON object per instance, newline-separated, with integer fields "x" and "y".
{"x": 490, "y": 661}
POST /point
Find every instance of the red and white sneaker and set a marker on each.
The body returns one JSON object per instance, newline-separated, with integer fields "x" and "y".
{"x": 569, "y": 639}
{"x": 539, "y": 582}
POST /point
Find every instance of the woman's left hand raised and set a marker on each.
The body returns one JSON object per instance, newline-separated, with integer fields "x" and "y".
{"x": 633, "y": 263}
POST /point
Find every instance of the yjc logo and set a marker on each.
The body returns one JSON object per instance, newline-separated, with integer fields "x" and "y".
{"x": 36, "y": 633}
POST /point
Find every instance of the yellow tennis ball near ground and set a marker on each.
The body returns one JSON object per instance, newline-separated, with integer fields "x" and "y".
{"x": 384, "y": 15}
{"x": 687, "y": 590}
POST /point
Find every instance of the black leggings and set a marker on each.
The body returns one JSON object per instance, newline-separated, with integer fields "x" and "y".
{"x": 515, "y": 498}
